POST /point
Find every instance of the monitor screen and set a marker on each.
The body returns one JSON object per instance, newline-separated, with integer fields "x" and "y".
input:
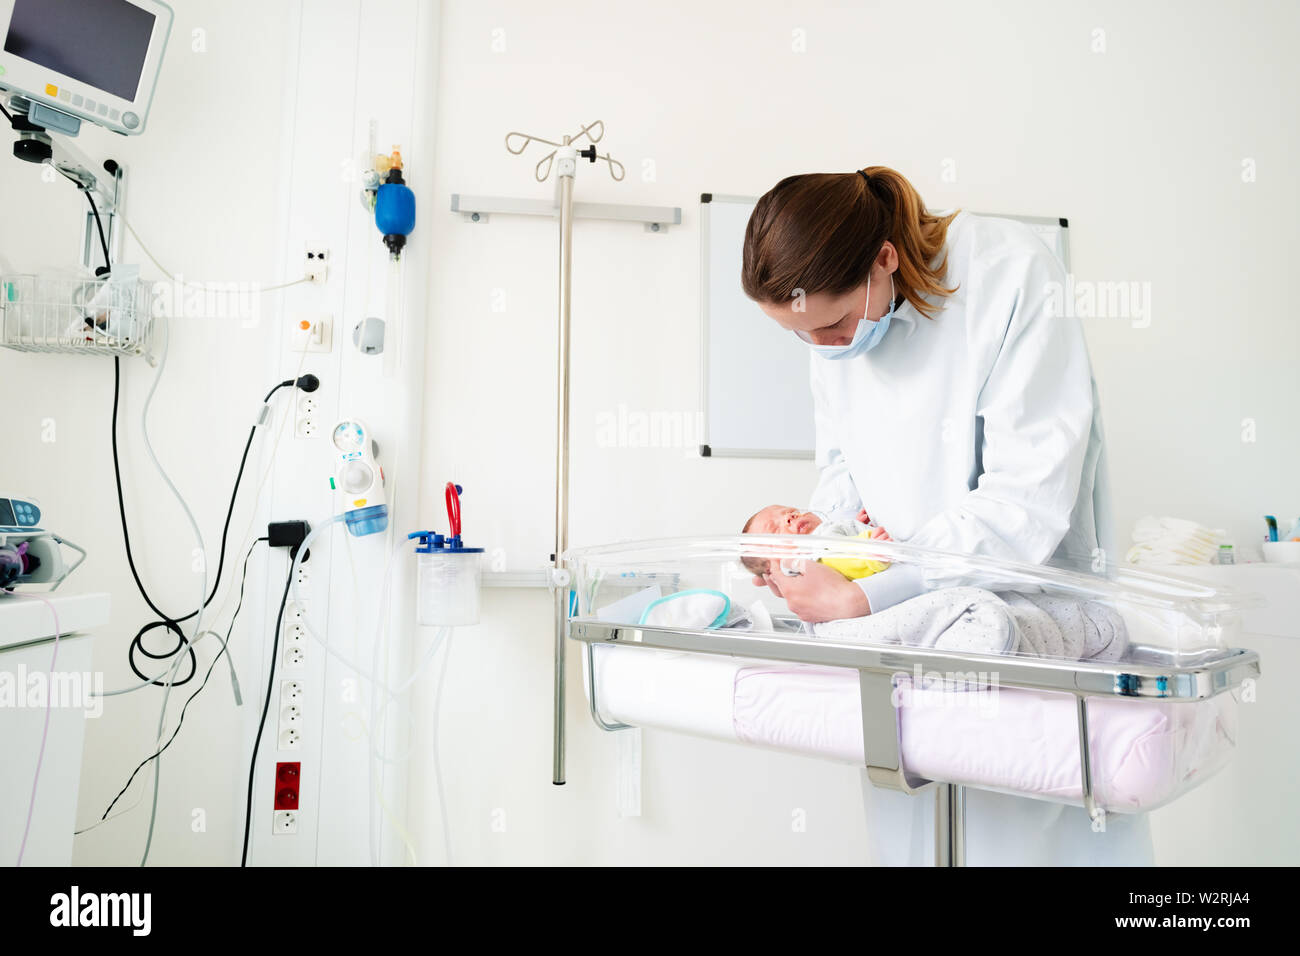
{"x": 99, "y": 42}
{"x": 7, "y": 519}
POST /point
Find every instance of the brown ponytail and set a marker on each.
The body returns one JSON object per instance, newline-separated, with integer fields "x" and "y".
{"x": 821, "y": 232}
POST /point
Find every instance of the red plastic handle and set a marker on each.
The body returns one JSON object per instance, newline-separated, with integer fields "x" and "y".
{"x": 453, "y": 509}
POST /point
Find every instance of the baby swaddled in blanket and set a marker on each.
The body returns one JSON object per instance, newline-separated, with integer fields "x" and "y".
{"x": 966, "y": 620}
{"x": 782, "y": 519}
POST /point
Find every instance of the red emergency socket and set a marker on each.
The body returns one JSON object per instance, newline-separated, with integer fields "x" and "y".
{"x": 286, "y": 785}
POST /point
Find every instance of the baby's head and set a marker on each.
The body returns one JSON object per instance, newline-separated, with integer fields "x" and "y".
{"x": 776, "y": 519}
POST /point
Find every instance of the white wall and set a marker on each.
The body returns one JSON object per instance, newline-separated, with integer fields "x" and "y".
{"x": 1140, "y": 146}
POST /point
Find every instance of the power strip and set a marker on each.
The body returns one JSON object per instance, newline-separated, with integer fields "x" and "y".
{"x": 284, "y": 819}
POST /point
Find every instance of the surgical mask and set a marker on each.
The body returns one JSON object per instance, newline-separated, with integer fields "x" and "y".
{"x": 865, "y": 338}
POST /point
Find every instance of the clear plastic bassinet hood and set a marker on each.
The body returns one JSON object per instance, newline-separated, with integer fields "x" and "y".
{"x": 974, "y": 605}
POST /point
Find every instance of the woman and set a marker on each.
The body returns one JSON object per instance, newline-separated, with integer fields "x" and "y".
{"x": 957, "y": 409}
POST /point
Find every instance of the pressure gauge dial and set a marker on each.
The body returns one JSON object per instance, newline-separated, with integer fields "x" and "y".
{"x": 349, "y": 437}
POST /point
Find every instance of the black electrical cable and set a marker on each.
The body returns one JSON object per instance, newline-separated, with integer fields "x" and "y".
{"x": 266, "y": 706}
{"x": 182, "y": 642}
{"x": 225, "y": 645}
{"x": 308, "y": 383}
{"x": 99, "y": 223}
{"x": 239, "y": 476}
{"x": 103, "y": 243}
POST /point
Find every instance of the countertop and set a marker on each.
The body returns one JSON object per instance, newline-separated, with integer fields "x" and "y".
{"x": 25, "y": 620}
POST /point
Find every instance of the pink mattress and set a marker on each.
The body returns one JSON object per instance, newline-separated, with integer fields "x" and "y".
{"x": 1144, "y": 753}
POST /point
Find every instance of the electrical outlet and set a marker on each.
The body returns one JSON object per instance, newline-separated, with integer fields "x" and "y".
{"x": 306, "y": 417}
{"x": 294, "y": 657}
{"x": 294, "y": 613}
{"x": 284, "y": 821}
{"x": 294, "y": 635}
{"x": 289, "y": 734}
{"x": 303, "y": 576}
{"x": 287, "y": 774}
{"x": 316, "y": 262}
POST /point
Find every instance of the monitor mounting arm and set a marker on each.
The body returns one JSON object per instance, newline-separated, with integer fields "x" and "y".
{"x": 106, "y": 187}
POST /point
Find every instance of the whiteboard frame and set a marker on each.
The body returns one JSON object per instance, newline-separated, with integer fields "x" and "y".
{"x": 707, "y": 450}
{"x": 1061, "y": 221}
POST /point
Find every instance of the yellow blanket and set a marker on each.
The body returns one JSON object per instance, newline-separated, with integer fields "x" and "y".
{"x": 854, "y": 568}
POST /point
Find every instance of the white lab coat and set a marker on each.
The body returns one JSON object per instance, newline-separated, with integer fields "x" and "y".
{"x": 978, "y": 431}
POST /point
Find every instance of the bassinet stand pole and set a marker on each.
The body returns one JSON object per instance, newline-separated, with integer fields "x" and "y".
{"x": 949, "y": 825}
{"x": 566, "y": 167}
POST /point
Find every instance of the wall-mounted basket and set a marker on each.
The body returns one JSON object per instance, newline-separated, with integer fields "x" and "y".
{"x": 76, "y": 316}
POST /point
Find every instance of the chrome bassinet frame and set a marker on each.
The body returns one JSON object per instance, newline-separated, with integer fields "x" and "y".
{"x": 1146, "y": 673}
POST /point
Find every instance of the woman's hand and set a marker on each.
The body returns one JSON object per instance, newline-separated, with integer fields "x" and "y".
{"x": 819, "y": 593}
{"x": 877, "y": 533}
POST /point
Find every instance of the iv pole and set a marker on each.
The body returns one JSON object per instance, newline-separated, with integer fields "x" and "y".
{"x": 564, "y": 158}
{"x": 567, "y": 168}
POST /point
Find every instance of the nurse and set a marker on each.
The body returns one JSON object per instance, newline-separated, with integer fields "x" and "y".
{"x": 954, "y": 405}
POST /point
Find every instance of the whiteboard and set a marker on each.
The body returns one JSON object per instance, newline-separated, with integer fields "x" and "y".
{"x": 756, "y": 397}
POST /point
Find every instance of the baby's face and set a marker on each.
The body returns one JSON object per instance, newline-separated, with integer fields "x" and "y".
{"x": 779, "y": 519}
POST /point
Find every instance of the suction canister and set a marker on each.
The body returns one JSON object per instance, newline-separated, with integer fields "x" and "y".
{"x": 448, "y": 574}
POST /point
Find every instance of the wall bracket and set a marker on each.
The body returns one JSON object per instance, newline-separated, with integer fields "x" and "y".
{"x": 480, "y": 208}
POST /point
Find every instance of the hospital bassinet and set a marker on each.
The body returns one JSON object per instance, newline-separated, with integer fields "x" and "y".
{"x": 1121, "y": 731}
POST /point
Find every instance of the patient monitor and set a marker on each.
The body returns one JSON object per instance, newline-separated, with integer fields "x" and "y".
{"x": 68, "y": 61}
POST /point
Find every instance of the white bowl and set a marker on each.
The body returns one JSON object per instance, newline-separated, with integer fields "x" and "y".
{"x": 1282, "y": 552}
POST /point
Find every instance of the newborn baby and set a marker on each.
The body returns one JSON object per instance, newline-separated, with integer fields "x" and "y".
{"x": 781, "y": 519}
{"x": 966, "y": 620}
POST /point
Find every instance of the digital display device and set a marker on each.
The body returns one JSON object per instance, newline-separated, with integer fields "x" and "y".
{"x": 103, "y": 43}
{"x": 91, "y": 60}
